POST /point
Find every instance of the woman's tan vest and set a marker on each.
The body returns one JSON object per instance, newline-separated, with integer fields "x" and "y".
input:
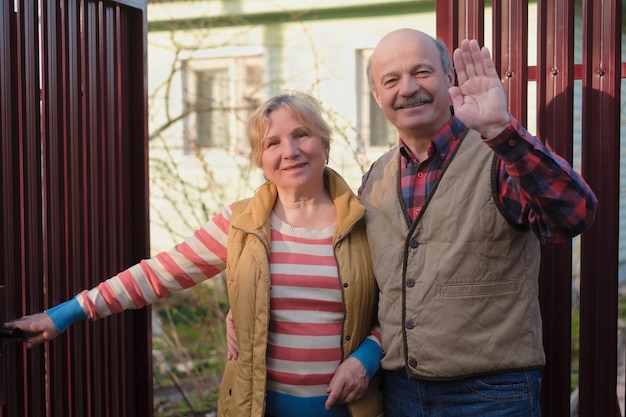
{"x": 242, "y": 392}
{"x": 459, "y": 286}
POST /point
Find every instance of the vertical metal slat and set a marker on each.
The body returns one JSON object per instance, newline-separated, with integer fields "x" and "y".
{"x": 460, "y": 20}
{"x": 510, "y": 53}
{"x": 555, "y": 127}
{"x": 600, "y": 165}
{"x": 30, "y": 216}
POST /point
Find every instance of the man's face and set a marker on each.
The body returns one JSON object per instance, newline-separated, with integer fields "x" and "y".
{"x": 411, "y": 86}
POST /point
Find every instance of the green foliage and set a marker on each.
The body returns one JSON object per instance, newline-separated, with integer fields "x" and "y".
{"x": 575, "y": 348}
{"x": 189, "y": 346}
{"x": 199, "y": 407}
{"x": 621, "y": 316}
{"x": 621, "y": 310}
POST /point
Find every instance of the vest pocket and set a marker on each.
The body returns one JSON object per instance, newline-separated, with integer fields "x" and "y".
{"x": 223, "y": 403}
{"x": 479, "y": 289}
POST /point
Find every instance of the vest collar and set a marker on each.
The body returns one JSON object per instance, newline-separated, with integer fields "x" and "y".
{"x": 257, "y": 214}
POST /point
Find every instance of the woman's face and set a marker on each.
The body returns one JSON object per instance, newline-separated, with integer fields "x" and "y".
{"x": 293, "y": 157}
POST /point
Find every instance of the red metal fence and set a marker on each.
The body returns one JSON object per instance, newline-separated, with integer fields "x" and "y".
{"x": 74, "y": 204}
{"x": 74, "y": 199}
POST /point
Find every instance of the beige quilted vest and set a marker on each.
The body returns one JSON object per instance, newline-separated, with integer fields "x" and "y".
{"x": 458, "y": 288}
{"x": 242, "y": 391}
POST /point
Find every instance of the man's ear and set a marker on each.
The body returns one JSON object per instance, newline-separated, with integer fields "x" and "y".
{"x": 451, "y": 81}
{"x": 377, "y": 98}
{"x": 451, "y": 78}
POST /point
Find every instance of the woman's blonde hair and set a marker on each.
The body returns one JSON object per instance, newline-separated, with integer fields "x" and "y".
{"x": 303, "y": 107}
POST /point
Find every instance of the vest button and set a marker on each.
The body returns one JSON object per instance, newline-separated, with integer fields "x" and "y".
{"x": 412, "y": 362}
{"x": 345, "y": 285}
{"x": 347, "y": 337}
{"x": 409, "y": 324}
{"x": 413, "y": 243}
{"x": 410, "y": 283}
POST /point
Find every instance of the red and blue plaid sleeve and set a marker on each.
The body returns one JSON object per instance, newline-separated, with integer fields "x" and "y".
{"x": 539, "y": 189}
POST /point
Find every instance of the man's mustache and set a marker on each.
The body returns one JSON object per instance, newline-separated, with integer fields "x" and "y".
{"x": 412, "y": 101}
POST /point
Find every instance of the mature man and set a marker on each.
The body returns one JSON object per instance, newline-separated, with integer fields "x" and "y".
{"x": 455, "y": 216}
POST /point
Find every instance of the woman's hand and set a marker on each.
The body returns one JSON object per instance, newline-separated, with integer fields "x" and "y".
{"x": 348, "y": 383}
{"x": 40, "y": 325}
{"x": 231, "y": 337}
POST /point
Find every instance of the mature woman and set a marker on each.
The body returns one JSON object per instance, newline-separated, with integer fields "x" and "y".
{"x": 300, "y": 282}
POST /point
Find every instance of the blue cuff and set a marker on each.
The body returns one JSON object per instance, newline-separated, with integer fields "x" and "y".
{"x": 65, "y": 314}
{"x": 369, "y": 354}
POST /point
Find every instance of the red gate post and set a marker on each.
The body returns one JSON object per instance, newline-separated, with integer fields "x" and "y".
{"x": 555, "y": 127}
{"x": 600, "y": 166}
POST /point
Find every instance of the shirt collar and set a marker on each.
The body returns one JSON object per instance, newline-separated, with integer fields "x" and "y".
{"x": 441, "y": 143}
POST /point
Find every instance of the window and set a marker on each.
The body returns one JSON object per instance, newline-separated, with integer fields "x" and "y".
{"x": 212, "y": 108}
{"x": 373, "y": 128}
{"x": 220, "y": 92}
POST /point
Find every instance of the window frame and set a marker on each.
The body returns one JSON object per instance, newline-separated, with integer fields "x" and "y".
{"x": 242, "y": 97}
{"x": 366, "y": 106}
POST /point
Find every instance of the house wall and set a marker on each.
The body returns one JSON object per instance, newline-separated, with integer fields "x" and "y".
{"x": 306, "y": 45}
{"x": 316, "y": 56}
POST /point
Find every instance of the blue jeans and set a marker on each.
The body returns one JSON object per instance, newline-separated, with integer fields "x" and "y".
{"x": 511, "y": 394}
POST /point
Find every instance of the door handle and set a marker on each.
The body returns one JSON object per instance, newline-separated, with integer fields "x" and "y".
{"x": 13, "y": 334}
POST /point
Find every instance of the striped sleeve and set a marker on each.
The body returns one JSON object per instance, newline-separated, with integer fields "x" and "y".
{"x": 369, "y": 354}
{"x": 200, "y": 257}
